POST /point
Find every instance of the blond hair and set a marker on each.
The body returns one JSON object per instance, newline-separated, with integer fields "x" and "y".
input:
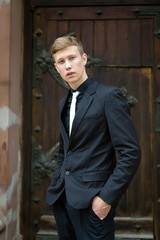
{"x": 66, "y": 41}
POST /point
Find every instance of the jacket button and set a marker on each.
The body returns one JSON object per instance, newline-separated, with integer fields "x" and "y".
{"x": 67, "y": 173}
{"x": 69, "y": 152}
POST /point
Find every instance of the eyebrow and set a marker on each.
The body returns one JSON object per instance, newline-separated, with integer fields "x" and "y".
{"x": 70, "y": 55}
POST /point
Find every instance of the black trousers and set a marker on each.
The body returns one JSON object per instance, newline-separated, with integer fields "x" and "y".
{"x": 81, "y": 224}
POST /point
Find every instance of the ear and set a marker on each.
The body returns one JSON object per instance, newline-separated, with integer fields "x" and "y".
{"x": 56, "y": 67}
{"x": 84, "y": 57}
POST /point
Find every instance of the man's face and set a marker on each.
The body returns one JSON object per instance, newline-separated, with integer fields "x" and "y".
{"x": 71, "y": 65}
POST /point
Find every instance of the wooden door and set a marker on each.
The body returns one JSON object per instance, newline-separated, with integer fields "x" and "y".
{"x": 123, "y": 45}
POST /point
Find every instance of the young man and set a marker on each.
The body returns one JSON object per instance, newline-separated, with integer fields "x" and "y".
{"x": 88, "y": 180}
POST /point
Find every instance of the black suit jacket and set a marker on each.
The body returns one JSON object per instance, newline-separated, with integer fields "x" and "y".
{"x": 87, "y": 165}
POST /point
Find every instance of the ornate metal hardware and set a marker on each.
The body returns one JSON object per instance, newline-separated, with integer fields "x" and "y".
{"x": 42, "y": 164}
{"x": 37, "y": 129}
{"x": 149, "y": 11}
{"x": 99, "y": 12}
{"x": 36, "y": 222}
{"x": 132, "y": 101}
{"x": 157, "y": 101}
{"x": 138, "y": 227}
{"x": 38, "y": 32}
{"x": 92, "y": 61}
{"x": 36, "y": 199}
{"x": 38, "y": 96}
{"x": 158, "y": 66}
{"x": 42, "y": 62}
{"x": 60, "y": 13}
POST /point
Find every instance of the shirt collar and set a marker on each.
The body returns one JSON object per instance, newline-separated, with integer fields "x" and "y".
{"x": 82, "y": 88}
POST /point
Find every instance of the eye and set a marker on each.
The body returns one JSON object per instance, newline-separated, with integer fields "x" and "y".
{"x": 61, "y": 61}
{"x": 72, "y": 58}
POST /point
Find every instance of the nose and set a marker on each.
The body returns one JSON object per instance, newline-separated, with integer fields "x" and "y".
{"x": 68, "y": 65}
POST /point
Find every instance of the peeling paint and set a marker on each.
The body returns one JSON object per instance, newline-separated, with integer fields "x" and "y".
{"x": 11, "y": 216}
{"x": 7, "y": 118}
{"x": 2, "y": 209}
{"x": 7, "y": 196}
{"x": 2, "y": 199}
{"x": 12, "y": 186}
{"x": 4, "y": 1}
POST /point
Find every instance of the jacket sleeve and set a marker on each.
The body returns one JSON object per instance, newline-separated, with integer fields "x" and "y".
{"x": 125, "y": 143}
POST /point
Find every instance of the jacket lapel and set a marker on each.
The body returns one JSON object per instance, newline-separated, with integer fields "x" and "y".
{"x": 83, "y": 107}
{"x": 63, "y": 129}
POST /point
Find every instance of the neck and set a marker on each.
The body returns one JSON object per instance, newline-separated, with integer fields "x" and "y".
{"x": 75, "y": 85}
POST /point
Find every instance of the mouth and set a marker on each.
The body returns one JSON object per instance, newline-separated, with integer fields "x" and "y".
{"x": 70, "y": 74}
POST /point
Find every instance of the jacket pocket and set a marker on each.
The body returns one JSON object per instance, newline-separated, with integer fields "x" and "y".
{"x": 95, "y": 176}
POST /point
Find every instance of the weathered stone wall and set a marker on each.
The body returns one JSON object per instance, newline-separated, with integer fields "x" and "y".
{"x": 11, "y": 64}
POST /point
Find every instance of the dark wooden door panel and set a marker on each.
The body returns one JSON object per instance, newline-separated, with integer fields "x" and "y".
{"x": 124, "y": 44}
